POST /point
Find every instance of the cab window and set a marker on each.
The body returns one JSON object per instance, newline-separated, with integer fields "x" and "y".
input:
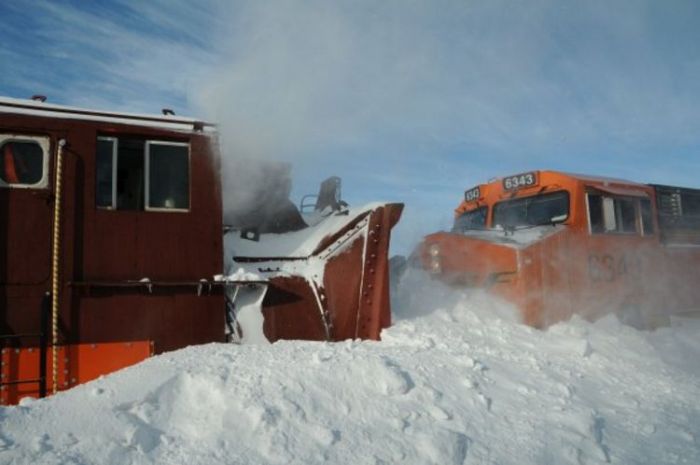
{"x": 532, "y": 211}
{"x": 474, "y": 219}
{"x": 138, "y": 174}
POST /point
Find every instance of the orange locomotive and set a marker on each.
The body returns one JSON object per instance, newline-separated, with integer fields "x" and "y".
{"x": 555, "y": 244}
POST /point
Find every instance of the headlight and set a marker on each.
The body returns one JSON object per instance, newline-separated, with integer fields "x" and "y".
{"x": 434, "y": 250}
{"x": 434, "y": 265}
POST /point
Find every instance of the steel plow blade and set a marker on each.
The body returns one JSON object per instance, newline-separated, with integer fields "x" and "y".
{"x": 340, "y": 290}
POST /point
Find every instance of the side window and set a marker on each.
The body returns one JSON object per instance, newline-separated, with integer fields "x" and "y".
{"x": 618, "y": 215}
{"x": 168, "y": 171}
{"x": 24, "y": 161}
{"x": 136, "y": 174}
{"x": 106, "y": 175}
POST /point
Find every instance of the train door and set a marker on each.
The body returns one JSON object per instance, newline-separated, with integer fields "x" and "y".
{"x": 25, "y": 260}
{"x": 25, "y": 229}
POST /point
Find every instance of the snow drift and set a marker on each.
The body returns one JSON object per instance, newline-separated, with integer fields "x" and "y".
{"x": 455, "y": 381}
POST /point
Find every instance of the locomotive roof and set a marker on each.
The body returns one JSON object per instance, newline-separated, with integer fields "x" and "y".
{"x": 49, "y": 110}
{"x": 603, "y": 179}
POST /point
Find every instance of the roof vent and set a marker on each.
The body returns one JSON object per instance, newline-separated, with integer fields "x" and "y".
{"x": 167, "y": 112}
{"x": 39, "y": 98}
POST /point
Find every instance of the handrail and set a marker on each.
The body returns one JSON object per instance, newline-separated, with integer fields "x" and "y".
{"x": 55, "y": 261}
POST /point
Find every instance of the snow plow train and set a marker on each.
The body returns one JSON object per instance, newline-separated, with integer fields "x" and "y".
{"x": 112, "y": 250}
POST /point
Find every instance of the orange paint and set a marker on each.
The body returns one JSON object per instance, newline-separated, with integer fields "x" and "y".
{"x": 77, "y": 364}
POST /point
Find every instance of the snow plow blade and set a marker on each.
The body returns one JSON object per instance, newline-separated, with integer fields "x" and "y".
{"x": 327, "y": 282}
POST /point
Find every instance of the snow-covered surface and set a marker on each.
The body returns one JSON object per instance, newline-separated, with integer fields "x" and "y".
{"x": 296, "y": 244}
{"x": 456, "y": 380}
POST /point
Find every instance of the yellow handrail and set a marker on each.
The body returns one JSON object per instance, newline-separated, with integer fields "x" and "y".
{"x": 56, "y": 249}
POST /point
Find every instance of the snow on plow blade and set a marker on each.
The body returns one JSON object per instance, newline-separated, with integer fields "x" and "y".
{"x": 329, "y": 281}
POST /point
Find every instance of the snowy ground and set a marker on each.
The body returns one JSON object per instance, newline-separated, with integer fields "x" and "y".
{"x": 454, "y": 381}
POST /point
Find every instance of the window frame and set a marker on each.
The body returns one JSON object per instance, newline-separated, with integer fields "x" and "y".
{"x": 44, "y": 142}
{"x": 147, "y": 176}
{"x": 640, "y": 230}
{"x": 544, "y": 194}
{"x": 115, "y": 170}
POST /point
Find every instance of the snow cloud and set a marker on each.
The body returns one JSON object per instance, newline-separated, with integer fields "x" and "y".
{"x": 533, "y": 80}
{"x": 407, "y": 100}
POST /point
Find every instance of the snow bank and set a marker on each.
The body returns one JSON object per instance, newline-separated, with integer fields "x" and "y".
{"x": 455, "y": 381}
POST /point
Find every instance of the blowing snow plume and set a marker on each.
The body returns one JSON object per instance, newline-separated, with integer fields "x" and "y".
{"x": 409, "y": 101}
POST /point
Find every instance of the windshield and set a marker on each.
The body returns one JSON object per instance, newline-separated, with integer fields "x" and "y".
{"x": 532, "y": 211}
{"x": 474, "y": 219}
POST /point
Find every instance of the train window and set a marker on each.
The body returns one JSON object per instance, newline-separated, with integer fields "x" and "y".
{"x": 474, "y": 219}
{"x": 532, "y": 211}
{"x": 626, "y": 215}
{"x": 130, "y": 178}
{"x": 23, "y": 161}
{"x": 135, "y": 174}
{"x": 106, "y": 175}
{"x": 168, "y": 175}
{"x": 612, "y": 214}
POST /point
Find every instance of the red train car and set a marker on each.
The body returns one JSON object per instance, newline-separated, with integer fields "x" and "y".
{"x": 112, "y": 249}
{"x": 110, "y": 227}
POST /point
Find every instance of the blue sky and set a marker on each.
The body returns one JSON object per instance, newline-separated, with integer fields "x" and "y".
{"x": 407, "y": 100}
